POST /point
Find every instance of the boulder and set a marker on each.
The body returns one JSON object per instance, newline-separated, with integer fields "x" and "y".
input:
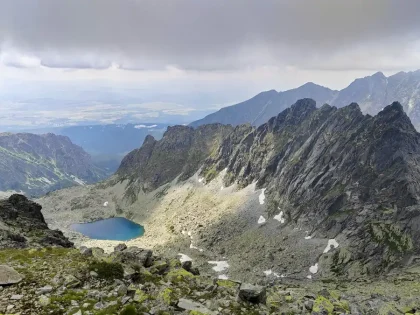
{"x": 85, "y": 251}
{"x": 45, "y": 289}
{"x": 71, "y": 281}
{"x": 44, "y": 300}
{"x": 252, "y": 293}
{"x": 8, "y": 275}
{"x": 121, "y": 290}
{"x": 120, "y": 247}
{"x": 187, "y": 265}
{"x": 98, "y": 252}
{"x": 135, "y": 256}
{"x": 189, "y": 305}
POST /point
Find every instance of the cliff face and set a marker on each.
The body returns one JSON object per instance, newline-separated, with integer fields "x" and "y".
{"x": 180, "y": 152}
{"x": 22, "y": 225}
{"x": 337, "y": 171}
{"x": 36, "y": 164}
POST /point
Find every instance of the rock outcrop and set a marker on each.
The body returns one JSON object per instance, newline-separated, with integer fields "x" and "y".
{"x": 22, "y": 225}
{"x": 180, "y": 152}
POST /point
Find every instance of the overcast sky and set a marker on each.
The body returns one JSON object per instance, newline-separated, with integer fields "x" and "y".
{"x": 235, "y": 48}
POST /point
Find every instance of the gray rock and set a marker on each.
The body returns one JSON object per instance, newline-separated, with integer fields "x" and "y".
{"x": 8, "y": 275}
{"x": 189, "y": 305}
{"x": 135, "y": 256}
{"x": 122, "y": 290}
{"x": 187, "y": 265}
{"x": 46, "y": 289}
{"x": 85, "y": 251}
{"x": 99, "y": 306}
{"x": 10, "y": 307}
{"x": 98, "y": 252}
{"x": 252, "y": 293}
{"x": 120, "y": 247}
{"x": 16, "y": 297}
{"x": 93, "y": 274}
{"x": 44, "y": 300}
{"x": 125, "y": 299}
{"x": 71, "y": 281}
{"x": 309, "y": 305}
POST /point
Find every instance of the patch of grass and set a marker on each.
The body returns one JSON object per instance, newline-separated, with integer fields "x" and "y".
{"x": 129, "y": 310}
{"x": 107, "y": 270}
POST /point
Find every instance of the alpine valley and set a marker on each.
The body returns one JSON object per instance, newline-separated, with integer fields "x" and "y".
{"x": 318, "y": 206}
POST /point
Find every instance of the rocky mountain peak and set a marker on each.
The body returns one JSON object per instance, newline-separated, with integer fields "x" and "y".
{"x": 22, "y": 225}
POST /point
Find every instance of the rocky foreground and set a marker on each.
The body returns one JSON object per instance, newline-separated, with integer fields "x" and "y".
{"x": 134, "y": 281}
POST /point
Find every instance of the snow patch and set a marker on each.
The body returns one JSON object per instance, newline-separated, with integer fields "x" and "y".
{"x": 106, "y": 204}
{"x": 308, "y": 237}
{"x": 184, "y": 258}
{"x": 279, "y": 217}
{"x": 309, "y": 277}
{"x": 222, "y": 188}
{"x": 219, "y": 265}
{"x": 223, "y": 277}
{"x": 261, "y": 197}
{"x": 261, "y": 220}
{"x": 331, "y": 242}
{"x": 195, "y": 247}
{"x": 313, "y": 269}
{"x": 200, "y": 180}
{"x": 270, "y": 272}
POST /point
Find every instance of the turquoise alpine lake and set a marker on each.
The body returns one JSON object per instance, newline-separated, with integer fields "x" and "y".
{"x": 115, "y": 229}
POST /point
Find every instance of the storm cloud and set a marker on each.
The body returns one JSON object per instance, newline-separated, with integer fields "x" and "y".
{"x": 216, "y": 35}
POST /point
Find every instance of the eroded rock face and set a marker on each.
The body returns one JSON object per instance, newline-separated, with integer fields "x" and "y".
{"x": 23, "y": 225}
{"x": 181, "y": 151}
{"x": 336, "y": 171}
{"x": 9, "y": 276}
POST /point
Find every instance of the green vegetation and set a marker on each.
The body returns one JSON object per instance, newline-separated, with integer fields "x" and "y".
{"x": 391, "y": 235}
{"x": 129, "y": 310}
{"x": 107, "y": 270}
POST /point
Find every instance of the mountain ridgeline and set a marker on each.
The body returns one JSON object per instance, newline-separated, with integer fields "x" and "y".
{"x": 334, "y": 171}
{"x": 371, "y": 93}
{"x": 36, "y": 164}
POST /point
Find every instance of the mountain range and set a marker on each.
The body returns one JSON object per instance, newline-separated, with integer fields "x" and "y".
{"x": 370, "y": 93}
{"x": 36, "y": 164}
{"x": 317, "y": 192}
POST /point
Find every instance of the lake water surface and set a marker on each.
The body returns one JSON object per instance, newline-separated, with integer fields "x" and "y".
{"x": 116, "y": 229}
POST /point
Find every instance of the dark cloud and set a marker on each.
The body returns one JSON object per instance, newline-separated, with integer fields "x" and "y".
{"x": 215, "y": 34}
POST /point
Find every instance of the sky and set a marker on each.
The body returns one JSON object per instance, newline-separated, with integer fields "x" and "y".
{"x": 78, "y": 61}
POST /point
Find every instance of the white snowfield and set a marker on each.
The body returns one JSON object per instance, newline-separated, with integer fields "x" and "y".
{"x": 279, "y": 217}
{"x": 219, "y": 265}
{"x": 261, "y": 197}
{"x": 261, "y": 220}
{"x": 331, "y": 243}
